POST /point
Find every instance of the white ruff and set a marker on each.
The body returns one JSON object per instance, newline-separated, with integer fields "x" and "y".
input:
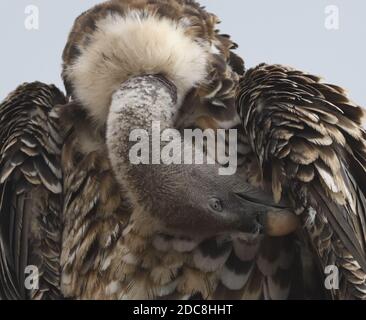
{"x": 122, "y": 47}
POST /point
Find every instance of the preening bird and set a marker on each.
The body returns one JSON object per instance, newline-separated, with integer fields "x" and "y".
{"x": 178, "y": 198}
{"x": 98, "y": 227}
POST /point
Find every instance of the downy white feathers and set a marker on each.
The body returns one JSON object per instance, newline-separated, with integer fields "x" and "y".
{"x": 136, "y": 44}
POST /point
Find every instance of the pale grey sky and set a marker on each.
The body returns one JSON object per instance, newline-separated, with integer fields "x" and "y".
{"x": 290, "y": 32}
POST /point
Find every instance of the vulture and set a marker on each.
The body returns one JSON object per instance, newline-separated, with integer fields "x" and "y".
{"x": 97, "y": 226}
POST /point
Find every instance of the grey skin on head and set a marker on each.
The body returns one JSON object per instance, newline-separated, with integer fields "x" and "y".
{"x": 191, "y": 200}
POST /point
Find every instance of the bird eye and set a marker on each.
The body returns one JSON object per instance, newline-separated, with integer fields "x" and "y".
{"x": 216, "y": 204}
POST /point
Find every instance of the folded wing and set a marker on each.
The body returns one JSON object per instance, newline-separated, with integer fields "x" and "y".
{"x": 30, "y": 192}
{"x": 309, "y": 141}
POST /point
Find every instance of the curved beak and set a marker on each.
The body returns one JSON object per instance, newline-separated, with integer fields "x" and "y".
{"x": 277, "y": 220}
{"x": 261, "y": 201}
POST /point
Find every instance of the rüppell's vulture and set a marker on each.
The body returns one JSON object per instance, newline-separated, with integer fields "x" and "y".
{"x": 96, "y": 226}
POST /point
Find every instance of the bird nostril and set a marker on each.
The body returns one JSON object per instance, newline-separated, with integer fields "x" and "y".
{"x": 259, "y": 223}
{"x": 254, "y": 224}
{"x": 261, "y": 218}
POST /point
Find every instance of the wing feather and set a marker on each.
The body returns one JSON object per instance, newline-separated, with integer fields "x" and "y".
{"x": 305, "y": 123}
{"x": 31, "y": 190}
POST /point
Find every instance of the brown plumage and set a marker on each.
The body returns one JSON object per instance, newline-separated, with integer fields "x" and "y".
{"x": 95, "y": 212}
{"x": 127, "y": 252}
{"x": 313, "y": 146}
{"x": 214, "y": 94}
{"x": 30, "y": 191}
{"x": 300, "y": 144}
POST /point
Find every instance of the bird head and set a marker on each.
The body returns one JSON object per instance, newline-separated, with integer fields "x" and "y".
{"x": 188, "y": 199}
{"x": 204, "y": 203}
